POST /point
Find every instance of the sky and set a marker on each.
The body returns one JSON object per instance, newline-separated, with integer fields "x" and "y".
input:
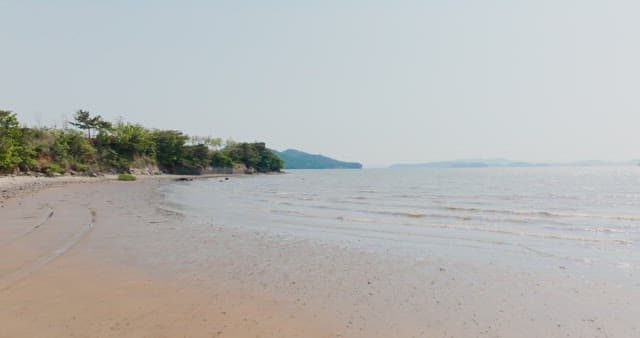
{"x": 378, "y": 82}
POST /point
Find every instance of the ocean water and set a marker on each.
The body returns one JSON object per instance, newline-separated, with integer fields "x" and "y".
{"x": 535, "y": 217}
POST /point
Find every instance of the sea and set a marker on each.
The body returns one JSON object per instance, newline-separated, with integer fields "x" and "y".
{"x": 524, "y": 218}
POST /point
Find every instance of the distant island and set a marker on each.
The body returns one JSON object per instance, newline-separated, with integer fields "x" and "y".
{"x": 296, "y": 159}
{"x": 504, "y": 163}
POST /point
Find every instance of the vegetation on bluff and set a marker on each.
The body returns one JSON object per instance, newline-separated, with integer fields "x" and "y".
{"x": 121, "y": 147}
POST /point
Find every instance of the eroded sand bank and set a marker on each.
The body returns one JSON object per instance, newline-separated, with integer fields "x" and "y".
{"x": 105, "y": 260}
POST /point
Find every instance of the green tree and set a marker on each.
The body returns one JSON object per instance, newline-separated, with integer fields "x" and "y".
{"x": 221, "y": 160}
{"x": 71, "y": 150}
{"x": 169, "y": 148}
{"x": 84, "y": 121}
{"x": 243, "y": 153}
{"x": 30, "y": 148}
{"x": 269, "y": 162}
{"x": 194, "y": 159}
{"x": 10, "y": 142}
{"x": 254, "y": 156}
{"x": 129, "y": 141}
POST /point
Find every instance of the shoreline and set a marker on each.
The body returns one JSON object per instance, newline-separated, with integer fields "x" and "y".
{"x": 12, "y": 186}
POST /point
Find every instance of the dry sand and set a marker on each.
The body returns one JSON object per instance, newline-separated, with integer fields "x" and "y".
{"x": 105, "y": 260}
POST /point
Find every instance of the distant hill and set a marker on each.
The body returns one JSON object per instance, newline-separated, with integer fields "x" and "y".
{"x": 296, "y": 159}
{"x": 499, "y": 162}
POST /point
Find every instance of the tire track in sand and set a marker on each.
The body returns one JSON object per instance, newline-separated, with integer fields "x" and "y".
{"x": 29, "y": 230}
{"x": 23, "y": 272}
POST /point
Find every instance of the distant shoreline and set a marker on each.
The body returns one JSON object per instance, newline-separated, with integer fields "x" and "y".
{"x": 504, "y": 163}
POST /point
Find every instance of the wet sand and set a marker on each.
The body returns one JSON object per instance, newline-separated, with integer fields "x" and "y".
{"x": 107, "y": 260}
{"x": 63, "y": 272}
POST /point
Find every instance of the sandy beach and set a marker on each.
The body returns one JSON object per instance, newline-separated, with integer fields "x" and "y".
{"x": 72, "y": 297}
{"x": 63, "y": 273}
{"x": 106, "y": 259}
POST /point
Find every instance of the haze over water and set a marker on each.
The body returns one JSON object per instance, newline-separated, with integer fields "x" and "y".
{"x": 587, "y": 219}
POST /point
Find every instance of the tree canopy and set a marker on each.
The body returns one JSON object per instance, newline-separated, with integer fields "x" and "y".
{"x": 84, "y": 121}
{"x": 254, "y": 156}
{"x": 10, "y": 145}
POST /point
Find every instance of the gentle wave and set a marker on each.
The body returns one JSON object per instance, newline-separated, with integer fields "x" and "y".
{"x": 597, "y": 229}
{"x": 543, "y": 213}
{"x": 531, "y": 234}
{"x": 399, "y": 214}
{"x": 339, "y": 205}
{"x": 408, "y": 214}
{"x": 404, "y": 214}
{"x": 474, "y": 228}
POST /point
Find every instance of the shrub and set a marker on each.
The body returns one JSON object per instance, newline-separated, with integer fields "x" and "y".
{"x": 80, "y": 167}
{"x": 126, "y": 177}
{"x": 54, "y": 169}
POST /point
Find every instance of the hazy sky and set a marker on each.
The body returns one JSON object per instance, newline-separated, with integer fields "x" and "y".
{"x": 371, "y": 81}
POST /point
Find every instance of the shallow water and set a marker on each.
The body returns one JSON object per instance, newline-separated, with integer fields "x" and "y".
{"x": 588, "y": 218}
